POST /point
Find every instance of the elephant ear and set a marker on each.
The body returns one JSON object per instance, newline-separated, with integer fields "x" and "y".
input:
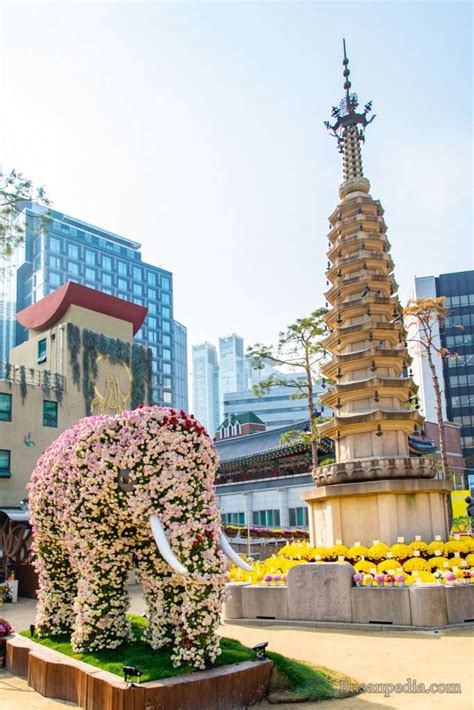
{"x": 164, "y": 547}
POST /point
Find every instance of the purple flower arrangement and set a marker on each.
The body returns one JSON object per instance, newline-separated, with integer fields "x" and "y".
{"x": 5, "y": 627}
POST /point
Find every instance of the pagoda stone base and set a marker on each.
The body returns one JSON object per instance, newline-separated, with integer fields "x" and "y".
{"x": 378, "y": 510}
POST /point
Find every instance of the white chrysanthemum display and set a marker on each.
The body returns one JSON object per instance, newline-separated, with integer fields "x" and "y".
{"x": 91, "y": 497}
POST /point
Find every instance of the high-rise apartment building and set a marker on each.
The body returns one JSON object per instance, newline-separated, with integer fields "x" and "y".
{"x": 69, "y": 249}
{"x": 181, "y": 366}
{"x": 456, "y": 373}
{"x": 231, "y": 365}
{"x": 276, "y": 408}
{"x": 206, "y": 386}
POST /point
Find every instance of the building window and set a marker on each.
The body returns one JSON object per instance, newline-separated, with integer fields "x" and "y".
{"x": 166, "y": 298}
{"x": 5, "y": 463}
{"x": 233, "y": 518}
{"x": 55, "y": 245}
{"x": 42, "y": 350}
{"x": 266, "y": 517}
{"x": 137, "y": 289}
{"x": 90, "y": 274}
{"x": 165, "y": 283}
{"x": 167, "y": 382}
{"x": 166, "y": 354}
{"x": 167, "y": 326}
{"x": 166, "y": 368}
{"x": 107, "y": 263}
{"x": 73, "y": 268}
{"x": 151, "y": 294}
{"x": 298, "y": 517}
{"x": 90, "y": 257}
{"x": 107, "y": 279}
{"x": 50, "y": 413}
{"x": 151, "y": 278}
{"x": 167, "y": 340}
{"x": 137, "y": 273}
{"x": 73, "y": 251}
{"x": 55, "y": 262}
{"x": 165, "y": 312}
{"x": 122, "y": 284}
{"x": 5, "y": 407}
{"x": 122, "y": 269}
{"x": 167, "y": 397}
{"x": 54, "y": 279}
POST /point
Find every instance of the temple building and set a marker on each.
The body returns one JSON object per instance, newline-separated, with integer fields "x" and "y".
{"x": 381, "y": 485}
{"x": 79, "y": 359}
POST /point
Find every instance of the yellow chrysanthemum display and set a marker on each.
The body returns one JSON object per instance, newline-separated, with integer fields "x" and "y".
{"x": 377, "y": 551}
{"x": 356, "y": 552}
{"x": 364, "y": 566}
{"x": 438, "y": 562}
{"x": 415, "y": 564}
{"x": 398, "y": 559}
{"x": 400, "y": 551}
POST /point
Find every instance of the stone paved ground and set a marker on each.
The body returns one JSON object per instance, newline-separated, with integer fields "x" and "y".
{"x": 377, "y": 657}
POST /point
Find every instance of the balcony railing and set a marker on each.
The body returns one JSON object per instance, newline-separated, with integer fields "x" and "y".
{"x": 29, "y": 376}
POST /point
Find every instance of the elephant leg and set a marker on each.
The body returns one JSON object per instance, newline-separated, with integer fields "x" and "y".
{"x": 57, "y": 588}
{"x": 154, "y": 576}
{"x": 196, "y": 634}
{"x": 102, "y": 598}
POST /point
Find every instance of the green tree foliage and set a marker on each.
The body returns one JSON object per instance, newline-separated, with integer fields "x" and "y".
{"x": 14, "y": 189}
{"x": 299, "y": 350}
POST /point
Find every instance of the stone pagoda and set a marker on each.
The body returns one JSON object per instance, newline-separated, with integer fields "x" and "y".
{"x": 376, "y": 489}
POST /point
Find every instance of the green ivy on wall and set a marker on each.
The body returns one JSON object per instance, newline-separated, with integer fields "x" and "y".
{"x": 74, "y": 346}
{"x": 23, "y": 387}
{"x": 46, "y": 382}
{"x": 137, "y": 357}
{"x": 58, "y": 387}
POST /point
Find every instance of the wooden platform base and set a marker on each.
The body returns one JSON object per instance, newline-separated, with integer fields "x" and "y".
{"x": 55, "y": 675}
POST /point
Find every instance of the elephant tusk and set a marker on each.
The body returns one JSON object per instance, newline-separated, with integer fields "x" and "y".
{"x": 232, "y": 555}
{"x": 164, "y": 546}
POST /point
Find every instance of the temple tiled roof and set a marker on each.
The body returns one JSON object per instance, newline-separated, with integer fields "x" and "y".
{"x": 264, "y": 445}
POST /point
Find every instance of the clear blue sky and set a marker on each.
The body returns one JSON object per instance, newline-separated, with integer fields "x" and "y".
{"x": 197, "y": 130}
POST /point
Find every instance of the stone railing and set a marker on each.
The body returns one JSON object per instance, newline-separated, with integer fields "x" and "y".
{"x": 375, "y": 469}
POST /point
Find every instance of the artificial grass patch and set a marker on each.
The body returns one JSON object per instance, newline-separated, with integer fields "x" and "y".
{"x": 154, "y": 664}
{"x": 292, "y": 681}
{"x": 299, "y": 681}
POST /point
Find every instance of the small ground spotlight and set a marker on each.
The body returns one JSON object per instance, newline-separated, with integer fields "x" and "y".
{"x": 259, "y": 649}
{"x": 130, "y": 672}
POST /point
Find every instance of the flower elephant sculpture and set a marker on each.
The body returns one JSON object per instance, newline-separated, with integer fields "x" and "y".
{"x": 132, "y": 491}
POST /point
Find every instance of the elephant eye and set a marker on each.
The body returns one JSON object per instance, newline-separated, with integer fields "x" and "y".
{"x": 124, "y": 481}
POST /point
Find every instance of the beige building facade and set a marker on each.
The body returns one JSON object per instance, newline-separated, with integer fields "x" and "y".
{"x": 50, "y": 381}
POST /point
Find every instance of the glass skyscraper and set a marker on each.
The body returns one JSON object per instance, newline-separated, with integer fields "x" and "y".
{"x": 68, "y": 249}
{"x": 206, "y": 386}
{"x": 231, "y": 366}
{"x": 455, "y": 373}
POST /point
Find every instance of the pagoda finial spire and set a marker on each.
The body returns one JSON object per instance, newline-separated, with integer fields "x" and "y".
{"x": 349, "y": 126}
